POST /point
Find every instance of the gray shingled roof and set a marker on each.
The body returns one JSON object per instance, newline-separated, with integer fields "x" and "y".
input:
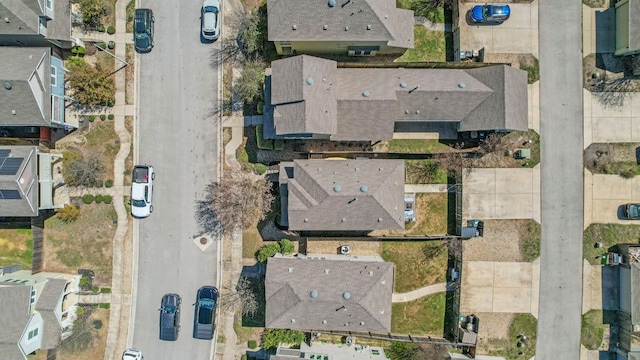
{"x": 370, "y": 101}
{"x": 24, "y": 181}
{"x": 302, "y": 84}
{"x": 30, "y": 93}
{"x": 290, "y": 282}
{"x": 366, "y": 20}
{"x": 634, "y": 24}
{"x": 344, "y": 195}
{"x": 24, "y": 17}
{"x": 46, "y": 306}
{"x": 14, "y": 317}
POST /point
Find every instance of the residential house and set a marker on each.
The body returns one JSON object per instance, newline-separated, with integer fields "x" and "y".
{"x": 355, "y": 28}
{"x": 36, "y": 308}
{"x": 36, "y": 23}
{"x": 342, "y": 195}
{"x": 322, "y": 294}
{"x": 627, "y": 27}
{"x": 626, "y": 259}
{"x": 33, "y": 94}
{"x": 327, "y": 351}
{"x": 309, "y": 97}
{"x": 26, "y": 181}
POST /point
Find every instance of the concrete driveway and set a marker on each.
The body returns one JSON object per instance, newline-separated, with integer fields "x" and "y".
{"x": 518, "y": 35}
{"x": 605, "y": 194}
{"x": 501, "y": 193}
{"x": 607, "y": 124}
{"x": 501, "y": 287}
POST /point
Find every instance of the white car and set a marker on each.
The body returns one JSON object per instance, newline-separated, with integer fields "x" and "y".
{"x": 132, "y": 354}
{"x": 210, "y": 19}
{"x": 142, "y": 191}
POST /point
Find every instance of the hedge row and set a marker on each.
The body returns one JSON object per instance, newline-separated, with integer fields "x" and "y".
{"x": 88, "y": 199}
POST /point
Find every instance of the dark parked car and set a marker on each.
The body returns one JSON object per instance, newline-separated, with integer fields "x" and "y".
{"x": 170, "y": 317}
{"x": 632, "y": 211}
{"x": 143, "y": 30}
{"x": 490, "y": 13}
{"x": 205, "y": 313}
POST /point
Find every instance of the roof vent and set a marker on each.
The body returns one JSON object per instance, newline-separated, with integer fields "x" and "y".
{"x": 403, "y": 85}
{"x": 366, "y": 94}
{"x": 370, "y": 273}
{"x": 325, "y": 27}
{"x": 309, "y": 80}
{"x": 346, "y": 28}
{"x": 13, "y": 112}
{"x": 368, "y": 27}
{"x": 417, "y": 112}
{"x": 383, "y": 282}
{"x": 290, "y": 270}
{"x": 314, "y": 294}
{"x": 306, "y": 220}
{"x": 7, "y": 85}
{"x": 346, "y": 295}
{"x": 332, "y": 3}
{"x": 461, "y": 85}
{"x": 379, "y": 219}
{"x": 361, "y": 322}
{"x": 326, "y": 271}
{"x": 6, "y": 20}
{"x": 294, "y": 27}
{"x": 364, "y": 188}
{"x": 324, "y": 321}
{"x": 337, "y": 188}
{"x": 293, "y": 320}
{"x": 344, "y": 219}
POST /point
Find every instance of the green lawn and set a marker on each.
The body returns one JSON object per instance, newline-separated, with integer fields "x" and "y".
{"x": 429, "y": 46}
{"x": 424, "y": 172}
{"x": 16, "y": 247}
{"x": 436, "y": 15}
{"x": 593, "y": 328}
{"x": 424, "y": 316}
{"x": 417, "y": 146}
{"x": 608, "y": 235}
{"x": 418, "y": 263}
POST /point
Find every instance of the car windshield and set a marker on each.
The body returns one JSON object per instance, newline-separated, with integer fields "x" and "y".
{"x": 138, "y": 203}
{"x": 140, "y": 27}
{"x": 212, "y": 9}
{"x": 634, "y": 210}
{"x": 169, "y": 309}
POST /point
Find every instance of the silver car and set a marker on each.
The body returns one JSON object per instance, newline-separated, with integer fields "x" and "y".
{"x": 210, "y": 20}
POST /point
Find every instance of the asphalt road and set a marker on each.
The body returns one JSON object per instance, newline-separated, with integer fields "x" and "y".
{"x": 561, "y": 177}
{"x": 177, "y": 133}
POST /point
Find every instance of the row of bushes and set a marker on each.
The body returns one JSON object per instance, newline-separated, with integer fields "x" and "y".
{"x": 103, "y": 117}
{"x": 99, "y": 183}
{"x": 88, "y": 199}
{"x": 267, "y": 144}
{"x": 104, "y": 45}
{"x": 110, "y": 29}
{"x": 284, "y": 246}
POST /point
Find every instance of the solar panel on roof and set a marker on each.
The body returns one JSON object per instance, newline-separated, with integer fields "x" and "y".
{"x": 10, "y": 166}
{"x": 4, "y": 152}
{"x": 10, "y": 195}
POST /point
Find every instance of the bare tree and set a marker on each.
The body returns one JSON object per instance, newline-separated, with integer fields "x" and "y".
{"x": 612, "y": 93}
{"x": 492, "y": 144}
{"x": 80, "y": 170}
{"x": 238, "y": 200}
{"x": 422, "y": 171}
{"x": 242, "y": 295}
{"x": 454, "y": 161}
{"x": 425, "y": 7}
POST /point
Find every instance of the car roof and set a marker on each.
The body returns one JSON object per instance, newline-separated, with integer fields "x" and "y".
{"x": 208, "y": 292}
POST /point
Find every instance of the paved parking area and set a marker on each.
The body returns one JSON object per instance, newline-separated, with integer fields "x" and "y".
{"x": 518, "y": 35}
{"x": 502, "y": 287}
{"x": 605, "y": 195}
{"x": 501, "y": 193}
{"x": 604, "y": 124}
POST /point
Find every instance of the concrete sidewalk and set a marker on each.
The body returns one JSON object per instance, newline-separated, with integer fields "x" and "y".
{"x": 417, "y": 294}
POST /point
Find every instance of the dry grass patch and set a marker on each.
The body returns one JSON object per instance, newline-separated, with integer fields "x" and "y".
{"x": 85, "y": 243}
{"x": 418, "y": 263}
{"x": 95, "y": 328}
{"x": 101, "y": 141}
{"x": 431, "y": 215}
{"x": 130, "y": 74}
{"x": 128, "y": 162}
{"x": 16, "y": 247}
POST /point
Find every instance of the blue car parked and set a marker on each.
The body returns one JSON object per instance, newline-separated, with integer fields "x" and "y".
{"x": 496, "y": 14}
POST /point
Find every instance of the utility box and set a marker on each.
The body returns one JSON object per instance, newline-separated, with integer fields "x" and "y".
{"x": 522, "y": 154}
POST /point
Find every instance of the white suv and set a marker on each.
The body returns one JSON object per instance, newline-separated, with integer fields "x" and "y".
{"x": 142, "y": 191}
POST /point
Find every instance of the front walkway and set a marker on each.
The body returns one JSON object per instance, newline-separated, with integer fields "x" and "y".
{"x": 419, "y": 293}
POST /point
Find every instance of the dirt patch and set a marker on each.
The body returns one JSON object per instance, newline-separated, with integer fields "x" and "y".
{"x": 616, "y": 158}
{"x": 128, "y": 162}
{"x": 501, "y": 241}
{"x": 492, "y": 326}
{"x": 610, "y": 78}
